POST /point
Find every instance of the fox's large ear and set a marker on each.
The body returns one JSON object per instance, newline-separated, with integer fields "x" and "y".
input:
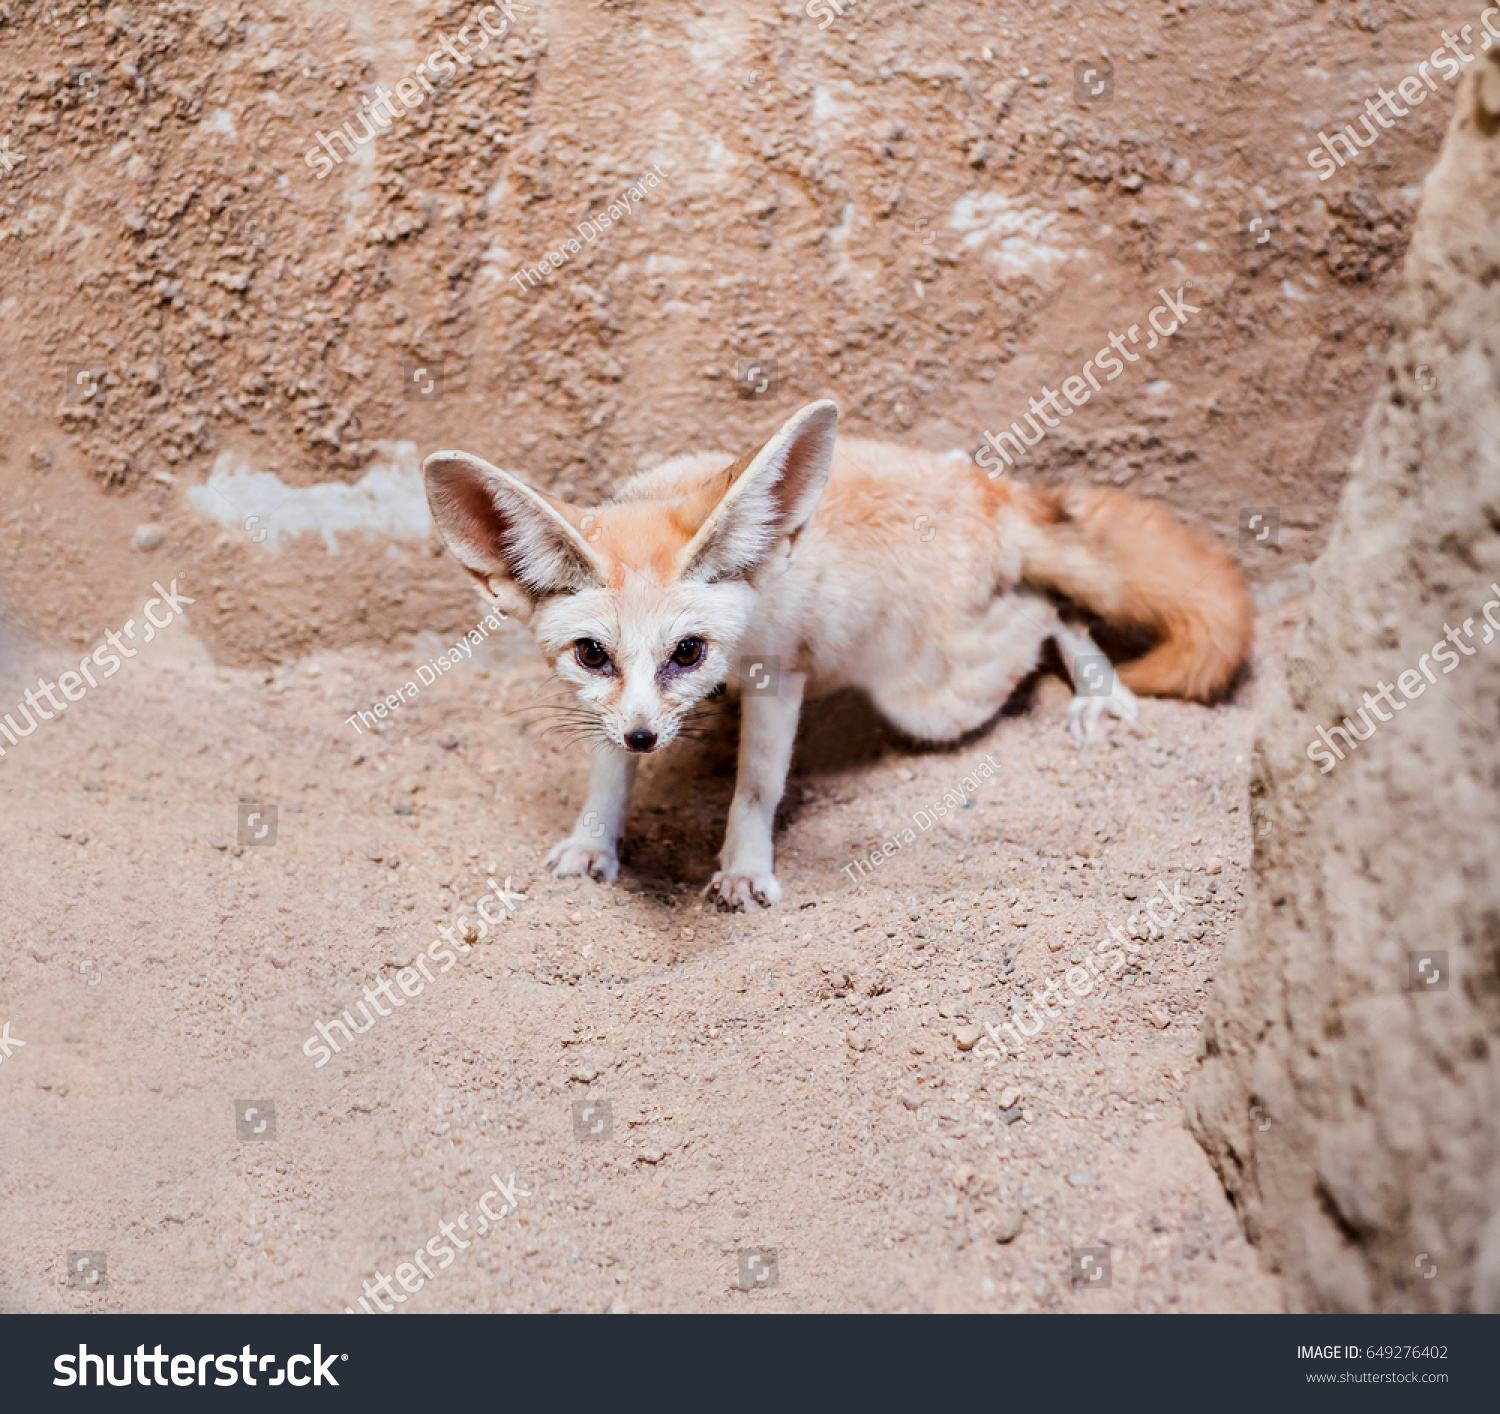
{"x": 511, "y": 537}
{"x": 765, "y": 498}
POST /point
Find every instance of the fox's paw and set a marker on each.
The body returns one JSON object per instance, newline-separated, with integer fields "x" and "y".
{"x": 736, "y": 891}
{"x": 572, "y": 856}
{"x": 1086, "y": 714}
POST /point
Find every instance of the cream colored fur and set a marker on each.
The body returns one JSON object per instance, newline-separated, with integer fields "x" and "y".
{"x": 906, "y": 574}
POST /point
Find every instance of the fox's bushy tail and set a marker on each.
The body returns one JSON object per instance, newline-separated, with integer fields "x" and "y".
{"x": 1133, "y": 565}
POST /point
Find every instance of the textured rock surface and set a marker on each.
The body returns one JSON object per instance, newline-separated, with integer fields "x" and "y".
{"x": 906, "y": 210}
{"x": 1353, "y": 1119}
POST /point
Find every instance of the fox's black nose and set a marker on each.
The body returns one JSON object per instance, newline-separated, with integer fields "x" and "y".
{"x": 641, "y": 739}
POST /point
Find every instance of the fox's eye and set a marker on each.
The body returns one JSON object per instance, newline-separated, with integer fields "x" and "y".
{"x": 688, "y": 653}
{"x": 591, "y": 654}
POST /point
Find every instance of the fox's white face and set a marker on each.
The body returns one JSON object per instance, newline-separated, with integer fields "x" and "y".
{"x": 640, "y": 606}
{"x": 639, "y": 657}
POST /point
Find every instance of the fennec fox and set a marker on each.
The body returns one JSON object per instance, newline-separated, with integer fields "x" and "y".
{"x": 811, "y": 564}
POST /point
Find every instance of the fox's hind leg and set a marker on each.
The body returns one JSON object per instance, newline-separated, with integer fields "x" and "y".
{"x": 954, "y": 683}
{"x": 1097, "y": 689}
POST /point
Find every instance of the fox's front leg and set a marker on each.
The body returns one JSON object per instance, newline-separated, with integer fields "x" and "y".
{"x": 768, "y": 728}
{"x": 591, "y": 848}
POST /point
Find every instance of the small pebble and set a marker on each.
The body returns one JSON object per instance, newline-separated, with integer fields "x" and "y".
{"x": 147, "y": 537}
{"x": 1009, "y": 1096}
{"x": 583, "y": 1074}
{"x": 966, "y": 1037}
{"x": 1160, "y": 1019}
{"x": 650, "y": 1156}
{"x": 1080, "y": 1180}
{"x": 1008, "y": 1222}
{"x": 858, "y": 1040}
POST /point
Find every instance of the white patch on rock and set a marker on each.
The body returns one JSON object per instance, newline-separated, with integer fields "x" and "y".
{"x": 1014, "y": 236}
{"x": 389, "y": 499}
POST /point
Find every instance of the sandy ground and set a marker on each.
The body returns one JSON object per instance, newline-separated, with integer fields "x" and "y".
{"x": 787, "y": 1080}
